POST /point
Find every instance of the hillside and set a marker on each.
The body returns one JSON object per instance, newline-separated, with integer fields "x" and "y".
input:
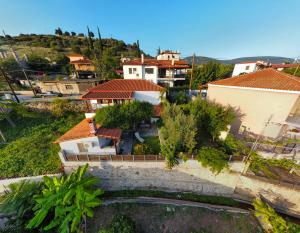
{"x": 272, "y": 59}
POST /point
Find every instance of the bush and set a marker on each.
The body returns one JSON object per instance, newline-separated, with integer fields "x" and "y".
{"x": 60, "y": 107}
{"x": 216, "y": 160}
{"x": 233, "y": 146}
{"x": 120, "y": 224}
{"x": 151, "y": 146}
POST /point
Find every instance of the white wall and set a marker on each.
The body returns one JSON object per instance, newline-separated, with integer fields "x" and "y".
{"x": 168, "y": 56}
{"x": 256, "y": 107}
{"x": 70, "y": 147}
{"x": 241, "y": 68}
{"x": 137, "y": 75}
{"x": 152, "y": 97}
{"x": 151, "y": 77}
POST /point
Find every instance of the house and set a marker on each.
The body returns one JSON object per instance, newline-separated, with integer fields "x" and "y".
{"x": 166, "y": 70}
{"x": 88, "y": 138}
{"x": 253, "y": 66}
{"x": 120, "y": 91}
{"x": 267, "y": 101}
{"x": 67, "y": 87}
{"x": 75, "y": 57}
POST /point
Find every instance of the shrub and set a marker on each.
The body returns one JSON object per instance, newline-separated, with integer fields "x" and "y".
{"x": 233, "y": 146}
{"x": 216, "y": 160}
{"x": 60, "y": 107}
{"x": 151, "y": 146}
{"x": 120, "y": 224}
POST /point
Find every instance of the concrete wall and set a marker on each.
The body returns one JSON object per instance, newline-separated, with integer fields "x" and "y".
{"x": 77, "y": 88}
{"x": 95, "y": 144}
{"x": 137, "y": 75}
{"x": 256, "y": 107}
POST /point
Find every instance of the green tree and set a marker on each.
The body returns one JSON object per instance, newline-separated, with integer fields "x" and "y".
{"x": 106, "y": 65}
{"x": 270, "y": 218}
{"x": 215, "y": 159}
{"x": 211, "y": 118}
{"x": 73, "y": 34}
{"x": 125, "y": 116}
{"x": 66, "y": 202}
{"x": 209, "y": 72}
{"x": 13, "y": 68}
{"x": 66, "y": 33}
{"x": 177, "y": 133}
{"x": 58, "y": 31}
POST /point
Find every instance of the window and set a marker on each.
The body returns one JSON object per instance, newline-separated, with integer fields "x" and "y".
{"x": 134, "y": 70}
{"x": 69, "y": 87}
{"x": 149, "y": 70}
{"x": 82, "y": 147}
{"x": 247, "y": 67}
{"x": 130, "y": 70}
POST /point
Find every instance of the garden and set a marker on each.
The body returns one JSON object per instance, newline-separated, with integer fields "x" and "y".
{"x": 29, "y": 149}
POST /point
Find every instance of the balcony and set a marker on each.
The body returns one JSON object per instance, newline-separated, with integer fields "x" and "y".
{"x": 172, "y": 77}
{"x": 293, "y": 120}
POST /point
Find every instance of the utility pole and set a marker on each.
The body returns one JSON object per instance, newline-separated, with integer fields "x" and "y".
{"x": 21, "y": 65}
{"x": 9, "y": 84}
{"x": 192, "y": 73}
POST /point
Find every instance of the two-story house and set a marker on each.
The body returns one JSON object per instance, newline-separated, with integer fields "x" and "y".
{"x": 166, "y": 70}
{"x": 267, "y": 102}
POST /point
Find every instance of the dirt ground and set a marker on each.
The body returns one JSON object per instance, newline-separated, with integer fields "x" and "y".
{"x": 154, "y": 218}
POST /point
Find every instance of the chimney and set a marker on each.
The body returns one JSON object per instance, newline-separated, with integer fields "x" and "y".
{"x": 92, "y": 125}
{"x": 142, "y": 58}
{"x": 173, "y": 62}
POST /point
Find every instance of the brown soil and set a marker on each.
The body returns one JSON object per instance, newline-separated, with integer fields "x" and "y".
{"x": 154, "y": 218}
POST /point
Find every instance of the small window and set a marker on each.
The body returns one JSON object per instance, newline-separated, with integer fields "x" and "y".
{"x": 149, "y": 70}
{"x": 130, "y": 70}
{"x": 82, "y": 147}
{"x": 247, "y": 67}
{"x": 134, "y": 70}
{"x": 69, "y": 87}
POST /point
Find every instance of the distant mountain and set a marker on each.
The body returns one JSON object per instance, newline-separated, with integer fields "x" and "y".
{"x": 272, "y": 59}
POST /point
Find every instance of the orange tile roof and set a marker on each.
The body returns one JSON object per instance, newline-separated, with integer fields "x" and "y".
{"x": 265, "y": 79}
{"x": 108, "y": 95}
{"x": 181, "y": 64}
{"x": 82, "y": 130}
{"x": 82, "y": 61}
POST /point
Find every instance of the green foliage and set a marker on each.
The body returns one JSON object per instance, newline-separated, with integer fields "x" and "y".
{"x": 292, "y": 71}
{"x": 17, "y": 202}
{"x": 151, "y": 146}
{"x": 261, "y": 165}
{"x": 211, "y": 118}
{"x": 181, "y": 97}
{"x": 66, "y": 202}
{"x": 30, "y": 149}
{"x": 233, "y": 146}
{"x": 213, "y": 158}
{"x": 125, "y": 116}
{"x": 37, "y": 62}
{"x": 12, "y": 68}
{"x": 269, "y": 217}
{"x": 209, "y": 72}
{"x": 60, "y": 107}
{"x": 120, "y": 224}
{"x": 177, "y": 134}
{"x": 106, "y": 64}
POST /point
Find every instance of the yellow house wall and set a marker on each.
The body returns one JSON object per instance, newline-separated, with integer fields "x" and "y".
{"x": 256, "y": 107}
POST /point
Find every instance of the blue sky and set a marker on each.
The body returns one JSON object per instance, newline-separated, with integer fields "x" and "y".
{"x": 216, "y": 28}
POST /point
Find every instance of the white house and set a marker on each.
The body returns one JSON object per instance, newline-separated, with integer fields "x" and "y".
{"x": 89, "y": 138}
{"x": 167, "y": 69}
{"x": 120, "y": 91}
{"x": 267, "y": 102}
{"x": 253, "y": 66}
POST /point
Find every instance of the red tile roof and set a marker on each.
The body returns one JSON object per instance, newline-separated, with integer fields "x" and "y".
{"x": 82, "y": 130}
{"x": 276, "y": 66}
{"x": 181, "y": 64}
{"x": 126, "y": 85}
{"x": 108, "y": 95}
{"x": 266, "y": 79}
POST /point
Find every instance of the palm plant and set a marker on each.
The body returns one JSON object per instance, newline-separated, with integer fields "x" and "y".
{"x": 17, "y": 202}
{"x": 66, "y": 202}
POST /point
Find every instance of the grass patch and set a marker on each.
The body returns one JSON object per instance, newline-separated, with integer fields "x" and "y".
{"x": 216, "y": 200}
{"x": 30, "y": 150}
{"x": 151, "y": 145}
